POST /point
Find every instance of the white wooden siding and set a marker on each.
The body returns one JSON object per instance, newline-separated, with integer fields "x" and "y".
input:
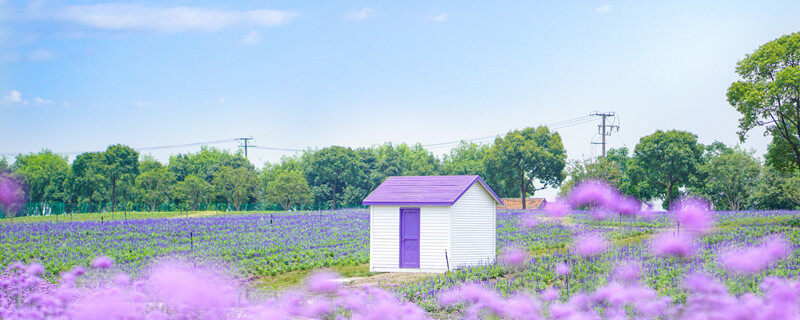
{"x": 473, "y": 219}
{"x": 434, "y": 238}
{"x": 385, "y": 239}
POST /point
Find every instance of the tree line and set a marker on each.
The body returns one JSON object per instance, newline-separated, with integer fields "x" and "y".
{"x": 520, "y": 162}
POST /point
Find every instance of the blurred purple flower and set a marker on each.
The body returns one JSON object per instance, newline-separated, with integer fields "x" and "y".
{"x": 589, "y": 245}
{"x": 557, "y": 209}
{"x": 322, "y": 282}
{"x": 563, "y": 269}
{"x": 594, "y": 193}
{"x": 670, "y": 244}
{"x": 102, "y": 262}
{"x": 513, "y": 256}
{"x": 752, "y": 260}
{"x": 693, "y": 214}
{"x": 12, "y": 192}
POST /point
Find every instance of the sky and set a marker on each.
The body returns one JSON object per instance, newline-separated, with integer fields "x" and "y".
{"x": 79, "y": 76}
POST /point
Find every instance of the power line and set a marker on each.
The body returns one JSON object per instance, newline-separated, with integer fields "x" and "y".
{"x": 245, "y": 146}
{"x": 554, "y": 125}
{"x": 602, "y": 128}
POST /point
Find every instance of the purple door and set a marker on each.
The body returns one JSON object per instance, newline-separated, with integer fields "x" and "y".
{"x": 409, "y": 237}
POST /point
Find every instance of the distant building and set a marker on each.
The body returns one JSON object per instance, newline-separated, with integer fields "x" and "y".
{"x": 431, "y": 224}
{"x": 516, "y": 203}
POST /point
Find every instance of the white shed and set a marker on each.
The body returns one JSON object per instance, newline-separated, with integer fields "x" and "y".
{"x": 431, "y": 224}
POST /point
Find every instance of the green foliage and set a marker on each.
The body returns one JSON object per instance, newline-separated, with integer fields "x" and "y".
{"x": 285, "y": 187}
{"x": 236, "y": 185}
{"x": 663, "y": 162}
{"x": 330, "y": 170}
{"x": 119, "y": 164}
{"x": 730, "y": 177}
{"x": 206, "y": 163}
{"x": 89, "y": 183}
{"x": 769, "y": 96}
{"x": 600, "y": 169}
{"x": 192, "y": 191}
{"x": 44, "y": 174}
{"x": 154, "y": 184}
{"x": 526, "y": 158}
{"x": 466, "y": 159}
{"x": 776, "y": 190}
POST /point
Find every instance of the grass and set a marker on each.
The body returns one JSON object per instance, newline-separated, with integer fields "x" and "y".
{"x": 295, "y": 278}
{"x": 112, "y": 216}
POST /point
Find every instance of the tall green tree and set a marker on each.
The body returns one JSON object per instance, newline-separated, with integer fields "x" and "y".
{"x": 119, "y": 166}
{"x": 531, "y": 159}
{"x": 666, "y": 161}
{"x": 44, "y": 174}
{"x": 729, "y": 179}
{"x": 193, "y": 191}
{"x": 88, "y": 183}
{"x": 237, "y": 185}
{"x": 206, "y": 163}
{"x": 768, "y": 95}
{"x": 154, "y": 183}
{"x": 287, "y": 188}
{"x": 466, "y": 159}
{"x": 777, "y": 190}
{"x": 330, "y": 170}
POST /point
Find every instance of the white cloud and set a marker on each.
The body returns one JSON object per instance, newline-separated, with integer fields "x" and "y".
{"x": 134, "y": 17}
{"x": 251, "y": 38}
{"x": 604, "y": 8}
{"x": 12, "y": 97}
{"x": 442, "y": 17}
{"x": 41, "y": 55}
{"x": 40, "y": 101}
{"x": 15, "y": 97}
{"x": 362, "y": 14}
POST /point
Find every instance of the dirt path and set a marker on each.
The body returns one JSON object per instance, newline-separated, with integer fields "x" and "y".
{"x": 388, "y": 279}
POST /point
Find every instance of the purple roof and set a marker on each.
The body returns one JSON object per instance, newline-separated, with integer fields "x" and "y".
{"x": 424, "y": 190}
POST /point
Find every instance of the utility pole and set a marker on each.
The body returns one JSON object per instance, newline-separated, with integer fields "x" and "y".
{"x": 602, "y": 128}
{"x": 245, "y": 145}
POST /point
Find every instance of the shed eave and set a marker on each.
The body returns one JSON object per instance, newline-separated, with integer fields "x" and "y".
{"x": 384, "y": 203}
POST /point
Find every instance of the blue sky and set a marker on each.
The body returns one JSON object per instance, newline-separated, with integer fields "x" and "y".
{"x": 82, "y": 75}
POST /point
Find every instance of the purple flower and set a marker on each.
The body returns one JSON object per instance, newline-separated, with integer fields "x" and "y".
{"x": 322, "y": 282}
{"x": 513, "y": 255}
{"x": 557, "y": 209}
{"x": 589, "y": 245}
{"x": 102, "y": 263}
{"x": 670, "y": 244}
{"x": 594, "y": 193}
{"x": 693, "y": 214}
{"x": 563, "y": 269}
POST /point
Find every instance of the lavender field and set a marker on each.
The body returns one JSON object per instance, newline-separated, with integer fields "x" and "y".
{"x": 566, "y": 258}
{"x": 256, "y": 244}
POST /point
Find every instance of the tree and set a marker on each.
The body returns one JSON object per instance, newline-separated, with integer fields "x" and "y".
{"x": 524, "y": 158}
{"x": 288, "y": 187}
{"x": 44, "y": 174}
{"x": 88, "y": 181}
{"x": 206, "y": 163}
{"x": 664, "y": 162}
{"x": 769, "y": 96}
{"x": 120, "y": 166}
{"x": 330, "y": 170}
{"x": 154, "y": 183}
{"x": 466, "y": 158}
{"x": 600, "y": 169}
{"x": 193, "y": 191}
{"x": 777, "y": 190}
{"x": 236, "y": 185}
{"x": 730, "y": 179}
